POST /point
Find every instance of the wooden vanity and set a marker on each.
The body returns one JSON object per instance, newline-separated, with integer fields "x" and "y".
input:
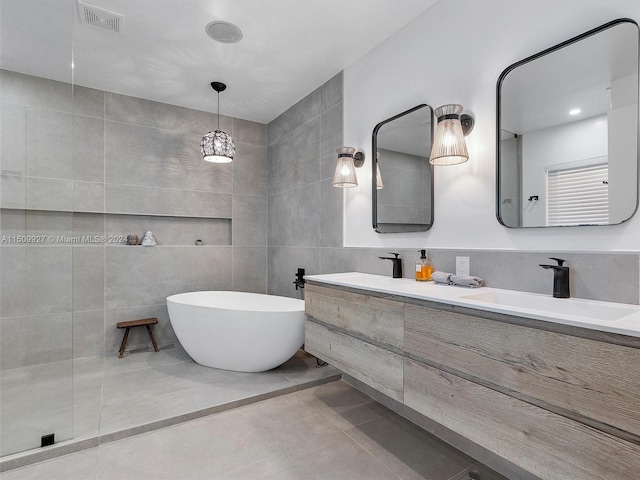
{"x": 556, "y": 401}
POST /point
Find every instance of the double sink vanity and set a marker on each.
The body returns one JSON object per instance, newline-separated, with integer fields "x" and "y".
{"x": 551, "y": 386}
{"x": 532, "y": 386}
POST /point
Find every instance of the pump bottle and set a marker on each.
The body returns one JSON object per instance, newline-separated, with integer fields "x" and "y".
{"x": 424, "y": 268}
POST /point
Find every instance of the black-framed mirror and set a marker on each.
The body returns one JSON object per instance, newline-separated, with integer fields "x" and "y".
{"x": 402, "y": 180}
{"x": 567, "y": 132}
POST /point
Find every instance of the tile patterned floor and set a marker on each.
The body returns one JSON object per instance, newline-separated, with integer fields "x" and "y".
{"x": 328, "y": 432}
{"x": 115, "y": 398}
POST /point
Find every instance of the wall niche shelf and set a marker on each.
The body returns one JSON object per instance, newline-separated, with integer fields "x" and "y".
{"x": 86, "y": 228}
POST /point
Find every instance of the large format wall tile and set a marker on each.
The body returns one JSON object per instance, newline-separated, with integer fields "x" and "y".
{"x": 48, "y": 280}
{"x": 48, "y": 228}
{"x": 49, "y": 194}
{"x": 294, "y": 217}
{"x": 13, "y": 280}
{"x": 88, "y": 149}
{"x": 245, "y": 131}
{"x": 88, "y": 277}
{"x": 331, "y": 92}
{"x": 13, "y": 133}
{"x": 303, "y": 111}
{"x": 88, "y": 197}
{"x": 139, "y": 111}
{"x": 294, "y": 160}
{"x": 283, "y": 264}
{"x": 88, "y": 333}
{"x": 137, "y": 276}
{"x": 250, "y": 170}
{"x": 144, "y": 156}
{"x": 365, "y": 260}
{"x": 331, "y": 138}
{"x": 250, "y": 269}
{"x": 49, "y": 144}
{"x": 36, "y": 92}
{"x": 88, "y": 102}
{"x": 249, "y": 220}
{"x": 166, "y": 201}
{"x": 13, "y": 191}
{"x": 12, "y": 223}
{"x": 88, "y": 225}
{"x": 330, "y": 215}
{"x": 35, "y": 339}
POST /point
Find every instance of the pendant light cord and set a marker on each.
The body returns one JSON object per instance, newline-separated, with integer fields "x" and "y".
{"x": 218, "y": 110}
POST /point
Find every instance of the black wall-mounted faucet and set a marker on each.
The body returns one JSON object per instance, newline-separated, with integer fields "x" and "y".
{"x": 397, "y": 264}
{"x": 560, "y": 278}
{"x": 299, "y": 281}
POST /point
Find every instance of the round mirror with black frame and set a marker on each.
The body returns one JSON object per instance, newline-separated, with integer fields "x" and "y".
{"x": 402, "y": 178}
{"x": 567, "y": 132}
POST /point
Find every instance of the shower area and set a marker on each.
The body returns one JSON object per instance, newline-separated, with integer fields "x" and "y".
{"x": 81, "y": 169}
{"x": 36, "y": 251}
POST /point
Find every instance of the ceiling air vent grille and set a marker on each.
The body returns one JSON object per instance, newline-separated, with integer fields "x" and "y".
{"x": 98, "y": 17}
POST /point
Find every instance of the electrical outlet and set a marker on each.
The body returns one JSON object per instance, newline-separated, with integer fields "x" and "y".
{"x": 462, "y": 266}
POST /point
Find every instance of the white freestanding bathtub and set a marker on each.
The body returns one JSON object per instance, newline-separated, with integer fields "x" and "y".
{"x": 245, "y": 332}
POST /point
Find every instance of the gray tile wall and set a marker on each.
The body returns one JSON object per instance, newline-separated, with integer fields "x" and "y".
{"x": 305, "y": 211}
{"x": 305, "y": 220}
{"x": 84, "y": 168}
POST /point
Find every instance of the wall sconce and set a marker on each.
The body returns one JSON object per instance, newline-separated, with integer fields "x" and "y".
{"x": 379, "y": 184}
{"x": 348, "y": 161}
{"x": 449, "y": 147}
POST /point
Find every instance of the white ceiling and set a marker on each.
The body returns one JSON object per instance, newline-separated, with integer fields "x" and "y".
{"x": 290, "y": 47}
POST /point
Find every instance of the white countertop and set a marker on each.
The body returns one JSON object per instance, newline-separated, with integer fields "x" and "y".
{"x": 595, "y": 315}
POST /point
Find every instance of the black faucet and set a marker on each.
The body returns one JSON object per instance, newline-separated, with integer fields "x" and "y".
{"x": 397, "y": 264}
{"x": 299, "y": 281}
{"x": 560, "y": 278}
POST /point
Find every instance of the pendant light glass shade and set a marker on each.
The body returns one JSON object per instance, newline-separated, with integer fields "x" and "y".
{"x": 218, "y": 146}
{"x": 449, "y": 147}
{"x": 345, "y": 173}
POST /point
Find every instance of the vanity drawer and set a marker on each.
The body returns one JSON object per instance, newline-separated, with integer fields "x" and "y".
{"x": 548, "y": 445}
{"x": 593, "y": 382}
{"x": 364, "y": 316}
{"x": 377, "y": 367}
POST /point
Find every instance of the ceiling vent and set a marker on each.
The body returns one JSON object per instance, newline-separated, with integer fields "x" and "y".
{"x": 90, "y": 15}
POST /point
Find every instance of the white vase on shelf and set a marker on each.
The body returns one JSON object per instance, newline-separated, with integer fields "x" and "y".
{"x": 148, "y": 240}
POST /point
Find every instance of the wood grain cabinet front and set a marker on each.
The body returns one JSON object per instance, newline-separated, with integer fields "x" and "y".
{"x": 370, "y": 318}
{"x": 561, "y": 406}
{"x": 548, "y": 445}
{"x": 375, "y": 366}
{"x": 593, "y": 382}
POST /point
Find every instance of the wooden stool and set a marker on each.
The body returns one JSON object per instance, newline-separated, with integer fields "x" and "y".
{"x": 137, "y": 323}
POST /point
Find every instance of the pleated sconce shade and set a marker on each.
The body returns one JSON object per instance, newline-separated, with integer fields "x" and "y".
{"x": 449, "y": 147}
{"x": 345, "y": 173}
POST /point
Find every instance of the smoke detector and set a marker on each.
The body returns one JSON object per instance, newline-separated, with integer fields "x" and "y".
{"x": 98, "y": 17}
{"x": 223, "y": 32}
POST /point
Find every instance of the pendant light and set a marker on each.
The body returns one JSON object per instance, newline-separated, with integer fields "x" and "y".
{"x": 218, "y": 146}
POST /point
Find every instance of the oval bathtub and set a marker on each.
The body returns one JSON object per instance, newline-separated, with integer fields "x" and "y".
{"x": 245, "y": 332}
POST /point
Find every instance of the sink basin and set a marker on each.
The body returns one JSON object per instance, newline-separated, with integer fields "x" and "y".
{"x": 590, "y": 309}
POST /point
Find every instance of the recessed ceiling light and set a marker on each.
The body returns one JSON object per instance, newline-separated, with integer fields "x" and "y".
{"x": 223, "y": 32}
{"x": 574, "y": 111}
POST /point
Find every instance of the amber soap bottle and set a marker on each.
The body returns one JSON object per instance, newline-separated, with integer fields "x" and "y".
{"x": 424, "y": 268}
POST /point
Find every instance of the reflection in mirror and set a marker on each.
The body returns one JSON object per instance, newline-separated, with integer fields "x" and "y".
{"x": 402, "y": 145}
{"x": 567, "y": 133}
